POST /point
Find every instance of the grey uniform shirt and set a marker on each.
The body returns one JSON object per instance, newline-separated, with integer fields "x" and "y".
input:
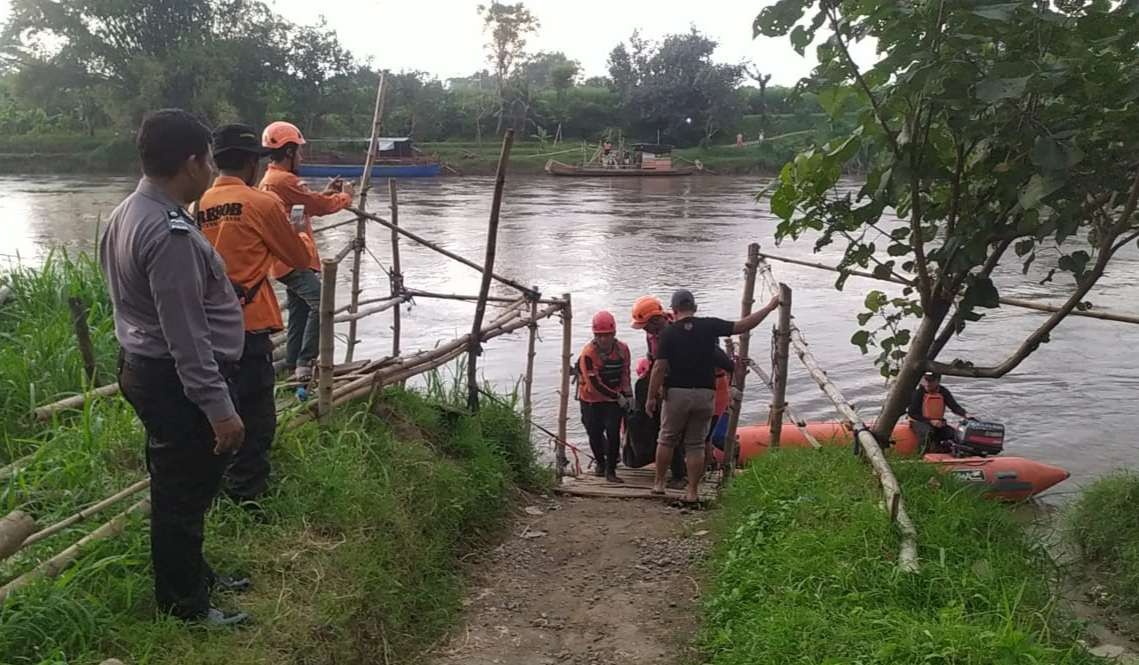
{"x": 171, "y": 296}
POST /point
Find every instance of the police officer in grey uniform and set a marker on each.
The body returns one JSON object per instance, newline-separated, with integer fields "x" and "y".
{"x": 179, "y": 326}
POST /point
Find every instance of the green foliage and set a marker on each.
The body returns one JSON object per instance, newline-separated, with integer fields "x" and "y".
{"x": 674, "y": 87}
{"x": 355, "y": 561}
{"x": 987, "y": 126}
{"x": 39, "y": 360}
{"x": 1103, "y": 526}
{"x": 805, "y": 572}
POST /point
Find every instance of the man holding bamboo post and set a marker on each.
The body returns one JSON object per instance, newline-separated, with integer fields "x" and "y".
{"x": 685, "y": 370}
{"x": 180, "y": 329}
{"x": 302, "y": 285}
{"x": 251, "y": 231}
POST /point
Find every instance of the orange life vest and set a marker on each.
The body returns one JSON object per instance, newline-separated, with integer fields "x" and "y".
{"x": 723, "y": 392}
{"x": 933, "y": 406}
{"x": 610, "y": 369}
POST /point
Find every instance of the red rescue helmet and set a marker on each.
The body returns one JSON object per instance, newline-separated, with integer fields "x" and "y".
{"x": 280, "y": 134}
{"x": 644, "y": 309}
{"x": 604, "y": 323}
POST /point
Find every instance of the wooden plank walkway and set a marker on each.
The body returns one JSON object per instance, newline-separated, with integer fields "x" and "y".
{"x": 638, "y": 485}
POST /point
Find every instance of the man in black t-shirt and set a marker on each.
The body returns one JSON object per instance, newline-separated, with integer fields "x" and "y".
{"x": 686, "y": 368}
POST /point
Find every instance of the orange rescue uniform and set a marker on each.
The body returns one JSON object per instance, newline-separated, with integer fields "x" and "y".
{"x": 604, "y": 377}
{"x": 293, "y": 191}
{"x": 251, "y": 231}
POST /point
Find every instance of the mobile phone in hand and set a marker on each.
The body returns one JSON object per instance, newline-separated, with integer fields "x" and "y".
{"x": 297, "y": 217}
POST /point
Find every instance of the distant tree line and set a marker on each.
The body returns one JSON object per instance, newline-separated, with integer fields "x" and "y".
{"x": 95, "y": 66}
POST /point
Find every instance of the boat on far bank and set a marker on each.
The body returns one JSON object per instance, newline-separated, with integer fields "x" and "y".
{"x": 395, "y": 158}
{"x": 645, "y": 160}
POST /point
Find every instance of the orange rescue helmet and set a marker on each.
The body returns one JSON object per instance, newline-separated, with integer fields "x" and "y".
{"x": 604, "y": 323}
{"x": 280, "y": 134}
{"x": 645, "y": 308}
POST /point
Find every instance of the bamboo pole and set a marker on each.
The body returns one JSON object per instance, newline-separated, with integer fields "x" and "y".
{"x": 1011, "y": 302}
{"x": 528, "y": 381}
{"x": 361, "y": 224}
{"x": 14, "y": 467}
{"x": 334, "y": 225}
{"x": 15, "y": 527}
{"x": 799, "y": 422}
{"x": 417, "y": 293}
{"x": 46, "y": 411}
{"x": 488, "y": 267}
{"x": 75, "y": 401}
{"x": 397, "y": 271}
{"x": 422, "y": 362}
{"x": 86, "y": 513}
{"x": 344, "y": 252}
{"x": 83, "y": 337}
{"x": 491, "y": 330}
{"x": 55, "y": 565}
{"x": 563, "y": 395}
{"x": 908, "y": 557}
{"x": 445, "y": 252}
{"x": 327, "y": 338}
{"x": 384, "y": 306}
{"x": 740, "y": 379}
{"x": 779, "y": 387}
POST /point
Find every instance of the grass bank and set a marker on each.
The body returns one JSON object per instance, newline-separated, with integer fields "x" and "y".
{"x": 354, "y": 560}
{"x": 804, "y": 573}
{"x": 107, "y": 154}
{"x": 1104, "y": 527}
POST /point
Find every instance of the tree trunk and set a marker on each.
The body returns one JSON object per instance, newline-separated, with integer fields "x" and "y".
{"x": 913, "y": 367}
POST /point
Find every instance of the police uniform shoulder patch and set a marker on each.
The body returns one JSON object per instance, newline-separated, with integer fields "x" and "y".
{"x": 180, "y": 223}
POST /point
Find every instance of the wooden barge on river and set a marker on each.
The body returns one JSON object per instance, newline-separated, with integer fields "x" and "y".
{"x": 645, "y": 160}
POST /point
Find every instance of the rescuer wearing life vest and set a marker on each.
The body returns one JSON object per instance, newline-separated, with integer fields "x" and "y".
{"x": 927, "y": 412}
{"x": 302, "y": 285}
{"x": 605, "y": 392}
{"x": 250, "y": 230}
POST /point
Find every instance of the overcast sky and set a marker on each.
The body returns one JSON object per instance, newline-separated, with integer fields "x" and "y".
{"x": 445, "y": 37}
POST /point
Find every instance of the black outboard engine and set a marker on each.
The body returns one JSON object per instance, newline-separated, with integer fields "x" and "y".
{"x": 978, "y": 438}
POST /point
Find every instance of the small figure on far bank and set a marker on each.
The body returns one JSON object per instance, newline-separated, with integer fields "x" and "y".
{"x": 927, "y": 413}
{"x": 685, "y": 369}
{"x": 605, "y": 392}
{"x": 302, "y": 286}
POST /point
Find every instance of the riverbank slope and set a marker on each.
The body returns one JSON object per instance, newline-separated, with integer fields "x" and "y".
{"x": 354, "y": 554}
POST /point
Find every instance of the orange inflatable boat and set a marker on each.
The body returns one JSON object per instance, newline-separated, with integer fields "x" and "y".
{"x": 1009, "y": 478}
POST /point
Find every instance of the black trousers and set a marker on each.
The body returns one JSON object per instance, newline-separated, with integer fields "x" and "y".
{"x": 185, "y": 476}
{"x": 932, "y": 439}
{"x": 602, "y": 422}
{"x": 247, "y": 477}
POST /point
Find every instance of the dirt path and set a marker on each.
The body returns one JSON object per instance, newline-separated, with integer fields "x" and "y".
{"x": 586, "y": 582}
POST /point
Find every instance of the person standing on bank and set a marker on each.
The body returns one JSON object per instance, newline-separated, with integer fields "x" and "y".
{"x": 251, "y": 230}
{"x": 605, "y": 393}
{"x": 685, "y": 369}
{"x": 302, "y": 285}
{"x": 179, "y": 327}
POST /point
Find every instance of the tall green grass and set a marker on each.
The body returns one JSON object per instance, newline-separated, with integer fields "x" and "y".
{"x": 1104, "y": 526}
{"x": 355, "y": 557}
{"x": 39, "y": 357}
{"x": 805, "y": 573}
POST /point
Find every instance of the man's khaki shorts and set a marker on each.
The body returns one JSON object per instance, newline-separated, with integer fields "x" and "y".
{"x": 685, "y": 417}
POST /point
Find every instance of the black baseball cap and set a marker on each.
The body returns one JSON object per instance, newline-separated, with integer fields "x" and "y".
{"x": 933, "y": 375}
{"x": 238, "y": 137}
{"x": 683, "y": 301}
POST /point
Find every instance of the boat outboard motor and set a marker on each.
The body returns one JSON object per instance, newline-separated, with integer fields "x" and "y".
{"x": 978, "y": 438}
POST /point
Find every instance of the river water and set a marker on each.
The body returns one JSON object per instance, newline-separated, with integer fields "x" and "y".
{"x": 609, "y": 241}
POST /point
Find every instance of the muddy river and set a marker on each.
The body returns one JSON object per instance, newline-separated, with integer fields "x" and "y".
{"x": 608, "y": 242}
